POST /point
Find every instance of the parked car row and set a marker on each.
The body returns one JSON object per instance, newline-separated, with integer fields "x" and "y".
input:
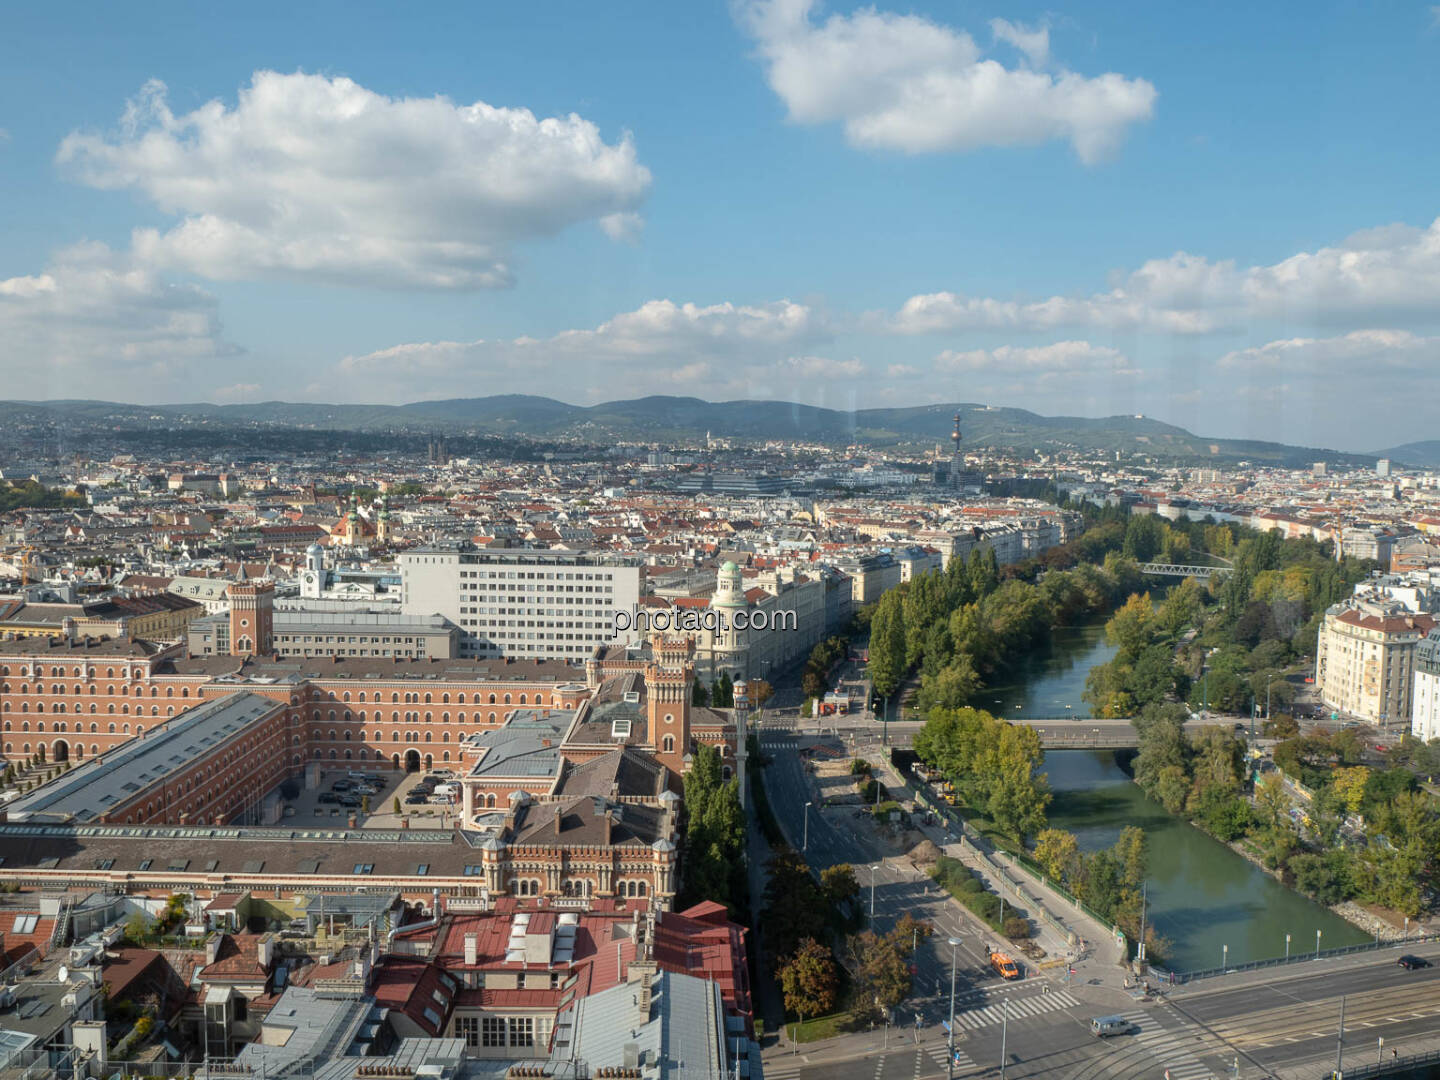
{"x": 436, "y": 788}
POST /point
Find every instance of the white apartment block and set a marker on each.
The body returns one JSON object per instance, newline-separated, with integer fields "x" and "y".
{"x": 1425, "y": 711}
{"x": 517, "y": 602}
{"x": 1365, "y": 658}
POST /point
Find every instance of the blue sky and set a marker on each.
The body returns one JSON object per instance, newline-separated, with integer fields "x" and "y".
{"x": 1217, "y": 216}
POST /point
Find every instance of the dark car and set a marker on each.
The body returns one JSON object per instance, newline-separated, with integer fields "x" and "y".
{"x": 341, "y": 785}
{"x": 416, "y": 800}
{"x": 349, "y": 800}
{"x": 328, "y": 797}
{"x": 1410, "y": 963}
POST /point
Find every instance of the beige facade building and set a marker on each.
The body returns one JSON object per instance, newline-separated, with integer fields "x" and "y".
{"x": 1365, "y": 659}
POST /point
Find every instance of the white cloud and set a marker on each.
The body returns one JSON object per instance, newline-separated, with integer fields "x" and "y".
{"x": 1061, "y": 358}
{"x": 93, "y": 324}
{"x": 715, "y": 346}
{"x": 902, "y": 82}
{"x": 1034, "y": 44}
{"x": 1367, "y": 353}
{"x": 821, "y": 367}
{"x": 1389, "y": 271}
{"x": 322, "y": 178}
{"x": 237, "y": 392}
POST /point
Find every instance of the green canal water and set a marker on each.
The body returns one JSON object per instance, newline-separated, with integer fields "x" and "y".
{"x": 1202, "y": 896}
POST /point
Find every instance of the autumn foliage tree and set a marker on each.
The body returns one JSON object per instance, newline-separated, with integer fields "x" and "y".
{"x": 809, "y": 980}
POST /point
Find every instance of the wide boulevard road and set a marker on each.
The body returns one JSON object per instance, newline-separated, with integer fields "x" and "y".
{"x": 1280, "y": 1023}
{"x": 836, "y": 836}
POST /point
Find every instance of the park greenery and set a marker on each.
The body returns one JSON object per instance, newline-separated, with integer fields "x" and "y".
{"x": 992, "y": 766}
{"x": 961, "y": 626}
{"x": 1227, "y": 646}
{"x": 968, "y": 888}
{"x": 1110, "y": 881}
{"x": 1355, "y": 833}
{"x": 714, "y": 833}
{"x": 31, "y": 495}
{"x": 815, "y": 679}
{"x": 821, "y": 952}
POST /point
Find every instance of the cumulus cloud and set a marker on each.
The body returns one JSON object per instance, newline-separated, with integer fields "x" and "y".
{"x": 237, "y": 392}
{"x": 1382, "y": 272}
{"x": 322, "y": 178}
{"x": 1061, "y": 358}
{"x": 822, "y": 367}
{"x": 712, "y": 346}
{"x": 94, "y": 323}
{"x": 1371, "y": 352}
{"x": 903, "y": 82}
{"x": 1034, "y": 44}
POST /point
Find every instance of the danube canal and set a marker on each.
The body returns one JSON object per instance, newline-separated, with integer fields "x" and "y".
{"x": 1202, "y": 896}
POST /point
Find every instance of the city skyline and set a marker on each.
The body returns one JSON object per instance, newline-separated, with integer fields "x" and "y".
{"x": 703, "y": 203}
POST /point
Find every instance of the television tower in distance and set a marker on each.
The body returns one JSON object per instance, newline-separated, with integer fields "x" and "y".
{"x": 957, "y": 460}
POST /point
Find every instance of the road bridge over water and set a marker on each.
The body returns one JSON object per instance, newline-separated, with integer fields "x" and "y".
{"x": 1056, "y": 732}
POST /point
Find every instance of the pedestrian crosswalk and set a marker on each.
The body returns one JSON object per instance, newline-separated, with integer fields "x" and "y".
{"x": 924, "y": 1060}
{"x": 934, "y": 1053}
{"x": 1151, "y": 1050}
{"x": 1015, "y": 1008}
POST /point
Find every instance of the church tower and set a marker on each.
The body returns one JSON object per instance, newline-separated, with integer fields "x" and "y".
{"x": 382, "y": 523}
{"x": 669, "y": 683}
{"x": 252, "y": 617}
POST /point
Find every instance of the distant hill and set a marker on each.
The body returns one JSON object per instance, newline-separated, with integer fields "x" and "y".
{"x": 1424, "y": 455}
{"x": 683, "y": 418}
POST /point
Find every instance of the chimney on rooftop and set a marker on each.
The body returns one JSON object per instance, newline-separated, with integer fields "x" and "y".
{"x": 472, "y": 949}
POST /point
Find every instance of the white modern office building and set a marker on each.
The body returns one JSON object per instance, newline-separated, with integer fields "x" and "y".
{"x": 1425, "y": 701}
{"x": 520, "y": 602}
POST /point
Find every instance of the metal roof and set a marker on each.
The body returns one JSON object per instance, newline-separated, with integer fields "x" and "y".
{"x": 89, "y": 790}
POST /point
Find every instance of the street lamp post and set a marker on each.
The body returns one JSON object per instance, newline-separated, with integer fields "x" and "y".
{"x": 1224, "y": 957}
{"x": 1287, "y": 946}
{"x": 950, "y": 1043}
{"x": 872, "y": 892}
{"x": 1317, "y": 944}
{"x": 805, "y": 844}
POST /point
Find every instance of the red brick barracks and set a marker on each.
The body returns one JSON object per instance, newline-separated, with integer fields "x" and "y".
{"x": 568, "y": 776}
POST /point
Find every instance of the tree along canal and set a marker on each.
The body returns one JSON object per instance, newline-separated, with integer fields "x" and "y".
{"x": 1202, "y": 896}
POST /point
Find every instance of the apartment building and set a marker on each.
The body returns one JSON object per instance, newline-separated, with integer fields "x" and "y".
{"x": 1366, "y": 655}
{"x": 520, "y": 602}
{"x": 1425, "y": 708}
{"x": 871, "y": 576}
